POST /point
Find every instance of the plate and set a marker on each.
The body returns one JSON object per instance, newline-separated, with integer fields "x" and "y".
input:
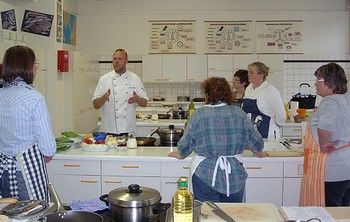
{"x": 76, "y": 142}
{"x": 95, "y": 147}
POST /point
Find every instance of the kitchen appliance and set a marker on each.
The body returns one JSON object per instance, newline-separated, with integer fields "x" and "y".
{"x": 306, "y": 101}
{"x": 170, "y": 135}
{"x": 134, "y": 203}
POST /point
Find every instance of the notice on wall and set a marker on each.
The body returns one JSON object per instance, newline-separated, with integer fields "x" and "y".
{"x": 279, "y": 36}
{"x": 228, "y": 37}
{"x": 172, "y": 36}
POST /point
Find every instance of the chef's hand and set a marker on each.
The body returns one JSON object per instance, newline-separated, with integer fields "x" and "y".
{"x": 106, "y": 95}
{"x": 135, "y": 98}
{"x": 47, "y": 158}
{"x": 176, "y": 154}
{"x": 260, "y": 154}
{"x": 328, "y": 147}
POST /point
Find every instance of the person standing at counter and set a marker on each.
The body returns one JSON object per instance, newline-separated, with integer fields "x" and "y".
{"x": 240, "y": 83}
{"x": 263, "y": 102}
{"x": 117, "y": 93}
{"x": 326, "y": 178}
{"x": 26, "y": 138}
{"x": 218, "y": 133}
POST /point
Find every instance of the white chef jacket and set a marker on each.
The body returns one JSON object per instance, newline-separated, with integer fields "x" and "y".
{"x": 118, "y": 116}
{"x": 270, "y": 103}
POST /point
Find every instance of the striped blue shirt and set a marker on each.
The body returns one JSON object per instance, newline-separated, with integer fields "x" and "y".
{"x": 24, "y": 120}
{"x": 220, "y": 131}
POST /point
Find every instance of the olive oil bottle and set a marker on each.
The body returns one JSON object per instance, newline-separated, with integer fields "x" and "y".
{"x": 183, "y": 202}
{"x": 191, "y": 108}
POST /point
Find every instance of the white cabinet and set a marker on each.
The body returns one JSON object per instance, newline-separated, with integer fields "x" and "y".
{"x": 122, "y": 174}
{"x": 174, "y": 68}
{"x": 242, "y": 61}
{"x": 197, "y": 68}
{"x": 221, "y": 65}
{"x": 75, "y": 179}
{"x": 152, "y": 68}
{"x": 291, "y": 131}
{"x": 264, "y": 183}
{"x": 291, "y": 183}
{"x": 170, "y": 173}
{"x": 275, "y": 63}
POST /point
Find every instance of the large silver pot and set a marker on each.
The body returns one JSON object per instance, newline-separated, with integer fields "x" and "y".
{"x": 170, "y": 135}
{"x": 134, "y": 203}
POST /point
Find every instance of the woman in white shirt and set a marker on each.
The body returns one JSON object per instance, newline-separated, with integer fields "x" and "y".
{"x": 263, "y": 102}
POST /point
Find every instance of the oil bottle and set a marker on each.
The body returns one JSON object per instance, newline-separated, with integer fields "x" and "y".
{"x": 183, "y": 202}
{"x": 191, "y": 108}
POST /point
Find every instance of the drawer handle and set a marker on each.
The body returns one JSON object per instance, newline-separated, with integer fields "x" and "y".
{"x": 88, "y": 181}
{"x": 298, "y": 130}
{"x": 186, "y": 168}
{"x": 108, "y": 181}
{"x": 71, "y": 165}
{"x": 253, "y": 168}
{"x": 131, "y": 167}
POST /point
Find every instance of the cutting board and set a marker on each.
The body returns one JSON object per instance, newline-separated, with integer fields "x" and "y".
{"x": 244, "y": 212}
{"x": 283, "y": 153}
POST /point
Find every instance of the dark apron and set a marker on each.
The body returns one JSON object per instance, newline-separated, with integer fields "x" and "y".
{"x": 250, "y": 106}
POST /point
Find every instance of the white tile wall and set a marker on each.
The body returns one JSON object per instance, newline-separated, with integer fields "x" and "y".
{"x": 295, "y": 73}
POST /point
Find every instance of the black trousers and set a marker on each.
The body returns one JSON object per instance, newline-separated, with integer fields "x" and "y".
{"x": 337, "y": 193}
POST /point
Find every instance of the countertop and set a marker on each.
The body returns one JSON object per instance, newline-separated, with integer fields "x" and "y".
{"x": 150, "y": 153}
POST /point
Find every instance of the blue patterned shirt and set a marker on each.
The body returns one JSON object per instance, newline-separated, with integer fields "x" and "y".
{"x": 220, "y": 131}
{"x": 24, "y": 120}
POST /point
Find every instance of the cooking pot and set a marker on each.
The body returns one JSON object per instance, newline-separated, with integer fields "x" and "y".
{"x": 183, "y": 98}
{"x": 134, "y": 203}
{"x": 170, "y": 135}
{"x": 180, "y": 113}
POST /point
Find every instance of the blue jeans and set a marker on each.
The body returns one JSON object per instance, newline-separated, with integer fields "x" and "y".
{"x": 5, "y": 186}
{"x": 337, "y": 193}
{"x": 203, "y": 192}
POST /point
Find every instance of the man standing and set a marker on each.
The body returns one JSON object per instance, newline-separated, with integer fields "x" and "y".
{"x": 117, "y": 93}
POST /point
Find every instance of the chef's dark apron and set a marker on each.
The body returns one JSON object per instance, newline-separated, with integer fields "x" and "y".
{"x": 250, "y": 106}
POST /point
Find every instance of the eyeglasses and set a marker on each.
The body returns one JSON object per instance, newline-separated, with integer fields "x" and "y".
{"x": 319, "y": 80}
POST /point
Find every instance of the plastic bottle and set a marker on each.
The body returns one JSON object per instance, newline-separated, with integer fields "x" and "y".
{"x": 183, "y": 203}
{"x": 191, "y": 108}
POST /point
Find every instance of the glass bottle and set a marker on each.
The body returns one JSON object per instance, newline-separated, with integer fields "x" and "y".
{"x": 183, "y": 202}
{"x": 191, "y": 108}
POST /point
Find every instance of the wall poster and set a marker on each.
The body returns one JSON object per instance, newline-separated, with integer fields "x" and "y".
{"x": 279, "y": 36}
{"x": 8, "y": 19}
{"x": 59, "y": 29}
{"x": 228, "y": 37}
{"x": 172, "y": 36}
{"x": 69, "y": 28}
{"x": 37, "y": 23}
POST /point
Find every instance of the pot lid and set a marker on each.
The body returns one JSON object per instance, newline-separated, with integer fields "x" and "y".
{"x": 134, "y": 196}
{"x": 171, "y": 130}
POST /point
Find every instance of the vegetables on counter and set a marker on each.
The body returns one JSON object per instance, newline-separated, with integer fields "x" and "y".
{"x": 71, "y": 134}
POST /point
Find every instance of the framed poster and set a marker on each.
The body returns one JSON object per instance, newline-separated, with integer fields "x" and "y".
{"x": 172, "y": 36}
{"x": 69, "y": 28}
{"x": 279, "y": 36}
{"x": 8, "y": 19}
{"x": 37, "y": 23}
{"x": 228, "y": 37}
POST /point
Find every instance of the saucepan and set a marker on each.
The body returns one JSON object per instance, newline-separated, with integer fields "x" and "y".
{"x": 72, "y": 216}
{"x": 165, "y": 116}
{"x": 148, "y": 140}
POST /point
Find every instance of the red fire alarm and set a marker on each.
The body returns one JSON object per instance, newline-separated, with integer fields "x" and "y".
{"x": 62, "y": 61}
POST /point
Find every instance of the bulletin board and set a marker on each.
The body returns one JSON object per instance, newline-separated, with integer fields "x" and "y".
{"x": 172, "y": 36}
{"x": 228, "y": 37}
{"x": 279, "y": 36}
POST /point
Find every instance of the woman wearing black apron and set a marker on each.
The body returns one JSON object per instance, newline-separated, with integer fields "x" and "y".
{"x": 239, "y": 84}
{"x": 263, "y": 102}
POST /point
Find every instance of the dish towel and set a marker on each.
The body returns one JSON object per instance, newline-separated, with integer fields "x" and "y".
{"x": 90, "y": 205}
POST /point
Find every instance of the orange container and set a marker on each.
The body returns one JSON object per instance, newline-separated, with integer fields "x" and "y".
{"x": 301, "y": 112}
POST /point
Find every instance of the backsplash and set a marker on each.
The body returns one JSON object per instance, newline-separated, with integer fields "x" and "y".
{"x": 297, "y": 69}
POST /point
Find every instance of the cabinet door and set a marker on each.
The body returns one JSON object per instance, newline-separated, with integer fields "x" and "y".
{"x": 264, "y": 190}
{"x": 74, "y": 167}
{"x": 152, "y": 68}
{"x": 76, "y": 187}
{"x": 168, "y": 186}
{"x": 242, "y": 61}
{"x": 110, "y": 183}
{"x": 220, "y": 65}
{"x": 291, "y": 192}
{"x": 197, "y": 68}
{"x": 127, "y": 168}
{"x": 174, "y": 68}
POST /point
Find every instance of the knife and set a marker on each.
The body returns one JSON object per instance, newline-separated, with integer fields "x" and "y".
{"x": 216, "y": 210}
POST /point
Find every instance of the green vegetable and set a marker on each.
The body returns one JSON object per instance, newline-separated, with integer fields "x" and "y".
{"x": 63, "y": 139}
{"x": 70, "y": 134}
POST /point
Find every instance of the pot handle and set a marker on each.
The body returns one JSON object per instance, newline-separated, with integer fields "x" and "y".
{"x": 103, "y": 198}
{"x": 161, "y": 207}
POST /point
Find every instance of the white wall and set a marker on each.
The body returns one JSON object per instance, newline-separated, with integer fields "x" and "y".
{"x": 106, "y": 25}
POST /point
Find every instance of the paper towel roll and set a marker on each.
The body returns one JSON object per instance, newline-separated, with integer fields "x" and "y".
{"x": 293, "y": 108}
